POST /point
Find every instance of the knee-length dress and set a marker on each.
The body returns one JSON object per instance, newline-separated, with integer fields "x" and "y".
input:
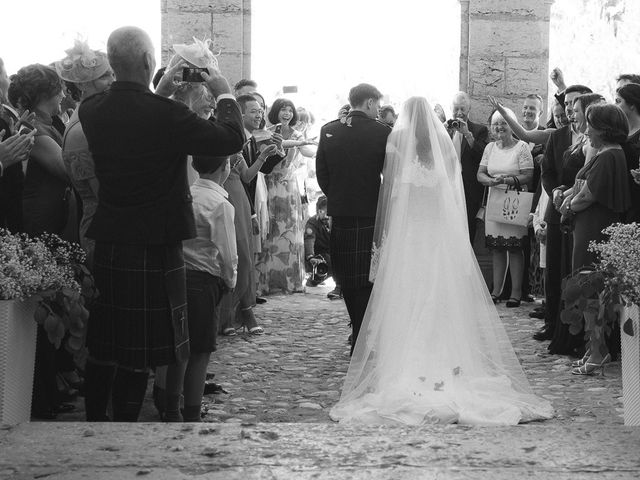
{"x": 506, "y": 161}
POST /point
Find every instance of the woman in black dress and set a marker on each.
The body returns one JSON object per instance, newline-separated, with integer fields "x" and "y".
{"x": 628, "y": 99}
{"x": 598, "y": 198}
{"x": 563, "y": 342}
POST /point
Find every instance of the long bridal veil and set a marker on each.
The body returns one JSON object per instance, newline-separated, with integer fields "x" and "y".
{"x": 432, "y": 347}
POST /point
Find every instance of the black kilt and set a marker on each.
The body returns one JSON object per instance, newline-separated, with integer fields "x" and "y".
{"x": 350, "y": 246}
{"x": 139, "y": 319}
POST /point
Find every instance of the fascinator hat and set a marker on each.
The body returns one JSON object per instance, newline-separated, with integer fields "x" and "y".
{"x": 82, "y": 64}
{"x": 198, "y": 53}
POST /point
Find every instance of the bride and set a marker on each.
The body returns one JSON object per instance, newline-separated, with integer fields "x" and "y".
{"x": 432, "y": 348}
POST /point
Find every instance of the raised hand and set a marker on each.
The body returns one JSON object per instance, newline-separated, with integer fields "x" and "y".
{"x": 216, "y": 82}
{"x": 170, "y": 81}
{"x": 557, "y": 78}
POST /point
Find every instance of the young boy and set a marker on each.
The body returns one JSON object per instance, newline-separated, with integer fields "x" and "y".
{"x": 211, "y": 261}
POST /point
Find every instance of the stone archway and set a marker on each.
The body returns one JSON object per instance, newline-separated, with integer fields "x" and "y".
{"x": 504, "y": 45}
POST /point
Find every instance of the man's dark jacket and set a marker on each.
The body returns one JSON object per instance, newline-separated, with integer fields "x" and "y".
{"x": 470, "y": 158}
{"x": 349, "y": 162}
{"x": 551, "y": 168}
{"x": 140, "y": 142}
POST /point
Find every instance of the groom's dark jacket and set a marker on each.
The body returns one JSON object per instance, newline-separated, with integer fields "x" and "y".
{"x": 349, "y": 162}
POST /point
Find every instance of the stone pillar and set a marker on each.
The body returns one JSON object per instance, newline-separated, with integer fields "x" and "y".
{"x": 226, "y": 22}
{"x": 504, "y": 52}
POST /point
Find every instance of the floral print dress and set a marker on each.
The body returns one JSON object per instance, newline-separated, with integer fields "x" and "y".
{"x": 280, "y": 265}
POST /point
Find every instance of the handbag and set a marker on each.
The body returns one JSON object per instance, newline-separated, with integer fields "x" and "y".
{"x": 511, "y": 206}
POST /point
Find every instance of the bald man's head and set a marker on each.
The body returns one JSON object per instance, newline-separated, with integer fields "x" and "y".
{"x": 131, "y": 54}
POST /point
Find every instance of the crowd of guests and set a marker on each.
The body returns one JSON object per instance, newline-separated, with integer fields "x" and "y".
{"x": 583, "y": 167}
{"x": 218, "y": 191}
{"x": 194, "y": 198}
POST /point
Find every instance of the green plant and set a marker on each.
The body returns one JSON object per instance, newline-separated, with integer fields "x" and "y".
{"x": 593, "y": 296}
{"x": 52, "y": 271}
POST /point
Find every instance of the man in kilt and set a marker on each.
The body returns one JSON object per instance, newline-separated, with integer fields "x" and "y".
{"x": 349, "y": 163}
{"x": 140, "y": 142}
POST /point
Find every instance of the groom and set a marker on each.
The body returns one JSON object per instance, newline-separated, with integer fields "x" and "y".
{"x": 349, "y": 162}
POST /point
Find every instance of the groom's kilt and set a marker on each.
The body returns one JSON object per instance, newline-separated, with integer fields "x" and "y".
{"x": 139, "y": 319}
{"x": 350, "y": 246}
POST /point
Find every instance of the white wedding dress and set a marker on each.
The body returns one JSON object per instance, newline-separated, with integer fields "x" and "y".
{"x": 432, "y": 348}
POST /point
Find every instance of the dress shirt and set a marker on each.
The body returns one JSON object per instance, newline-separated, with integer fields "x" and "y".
{"x": 214, "y": 249}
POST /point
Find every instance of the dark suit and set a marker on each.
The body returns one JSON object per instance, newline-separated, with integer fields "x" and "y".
{"x": 349, "y": 163}
{"x": 250, "y": 153}
{"x": 140, "y": 142}
{"x": 470, "y": 161}
{"x": 551, "y": 177}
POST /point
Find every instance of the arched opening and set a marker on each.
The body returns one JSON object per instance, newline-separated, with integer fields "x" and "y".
{"x": 325, "y": 48}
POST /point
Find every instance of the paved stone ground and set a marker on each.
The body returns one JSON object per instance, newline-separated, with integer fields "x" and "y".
{"x": 294, "y": 372}
{"x": 274, "y": 424}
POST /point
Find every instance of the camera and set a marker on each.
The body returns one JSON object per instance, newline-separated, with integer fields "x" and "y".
{"x": 192, "y": 74}
{"x": 319, "y": 272}
{"x": 453, "y": 123}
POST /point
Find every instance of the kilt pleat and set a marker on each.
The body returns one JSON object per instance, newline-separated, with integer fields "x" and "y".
{"x": 139, "y": 319}
{"x": 350, "y": 244}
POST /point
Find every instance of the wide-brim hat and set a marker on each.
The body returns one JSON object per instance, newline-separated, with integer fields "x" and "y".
{"x": 198, "y": 53}
{"x": 82, "y": 64}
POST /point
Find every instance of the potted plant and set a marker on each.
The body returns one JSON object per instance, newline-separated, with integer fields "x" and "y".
{"x": 43, "y": 279}
{"x": 607, "y": 291}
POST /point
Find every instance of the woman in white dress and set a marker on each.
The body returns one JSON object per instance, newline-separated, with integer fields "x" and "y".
{"x": 432, "y": 348}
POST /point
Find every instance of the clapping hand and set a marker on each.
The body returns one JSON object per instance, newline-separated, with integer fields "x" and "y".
{"x": 635, "y": 173}
{"x": 27, "y": 118}
{"x": 16, "y": 148}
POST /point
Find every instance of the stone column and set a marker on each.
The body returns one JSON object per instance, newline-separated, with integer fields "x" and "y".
{"x": 226, "y": 22}
{"x": 504, "y": 52}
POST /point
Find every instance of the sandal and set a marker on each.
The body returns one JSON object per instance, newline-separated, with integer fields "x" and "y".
{"x": 256, "y": 330}
{"x": 229, "y": 332}
{"x": 513, "y": 302}
{"x": 495, "y": 298}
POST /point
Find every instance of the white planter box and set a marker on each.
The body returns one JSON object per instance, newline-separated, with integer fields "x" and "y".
{"x": 17, "y": 357}
{"x": 629, "y": 323}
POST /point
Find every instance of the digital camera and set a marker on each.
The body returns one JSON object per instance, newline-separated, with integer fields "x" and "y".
{"x": 320, "y": 271}
{"x": 453, "y": 123}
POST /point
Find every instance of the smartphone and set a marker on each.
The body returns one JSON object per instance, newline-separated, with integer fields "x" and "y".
{"x": 278, "y": 128}
{"x": 192, "y": 74}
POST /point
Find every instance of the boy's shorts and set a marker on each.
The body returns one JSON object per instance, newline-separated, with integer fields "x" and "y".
{"x": 204, "y": 292}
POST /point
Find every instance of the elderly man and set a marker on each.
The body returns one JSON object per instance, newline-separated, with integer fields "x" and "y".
{"x": 140, "y": 142}
{"x": 469, "y": 140}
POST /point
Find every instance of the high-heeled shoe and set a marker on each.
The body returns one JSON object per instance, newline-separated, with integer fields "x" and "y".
{"x": 591, "y": 368}
{"x": 582, "y": 361}
{"x": 495, "y": 298}
{"x": 229, "y": 332}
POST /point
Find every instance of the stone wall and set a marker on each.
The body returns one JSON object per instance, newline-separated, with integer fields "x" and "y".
{"x": 504, "y": 51}
{"x": 226, "y": 22}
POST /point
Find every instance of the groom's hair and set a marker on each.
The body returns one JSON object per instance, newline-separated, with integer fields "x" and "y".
{"x": 363, "y": 92}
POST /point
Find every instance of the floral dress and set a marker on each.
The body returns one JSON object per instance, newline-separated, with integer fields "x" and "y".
{"x": 280, "y": 265}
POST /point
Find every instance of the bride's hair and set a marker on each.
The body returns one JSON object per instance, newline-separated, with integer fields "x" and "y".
{"x": 416, "y": 113}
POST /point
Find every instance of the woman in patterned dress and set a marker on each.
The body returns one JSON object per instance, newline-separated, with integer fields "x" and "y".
{"x": 281, "y": 263}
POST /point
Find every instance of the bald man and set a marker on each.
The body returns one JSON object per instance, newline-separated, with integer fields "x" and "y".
{"x": 140, "y": 142}
{"x": 469, "y": 140}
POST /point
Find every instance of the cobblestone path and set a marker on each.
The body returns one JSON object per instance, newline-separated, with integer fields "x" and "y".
{"x": 294, "y": 372}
